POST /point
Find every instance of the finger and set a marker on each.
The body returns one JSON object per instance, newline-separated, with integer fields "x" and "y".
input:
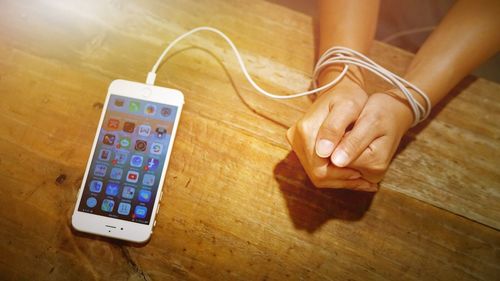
{"x": 353, "y": 144}
{"x": 374, "y": 160}
{"x": 330, "y": 173}
{"x": 321, "y": 169}
{"x": 357, "y": 184}
{"x": 308, "y": 127}
{"x": 299, "y": 146}
{"x": 334, "y": 126}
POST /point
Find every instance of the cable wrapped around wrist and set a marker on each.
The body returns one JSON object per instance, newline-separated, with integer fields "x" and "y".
{"x": 345, "y": 56}
{"x": 333, "y": 56}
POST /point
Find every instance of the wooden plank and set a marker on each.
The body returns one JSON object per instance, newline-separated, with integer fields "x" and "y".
{"x": 237, "y": 206}
{"x": 455, "y": 150}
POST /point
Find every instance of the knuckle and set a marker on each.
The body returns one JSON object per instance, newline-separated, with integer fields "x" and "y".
{"x": 376, "y": 122}
{"x": 332, "y": 129}
{"x": 378, "y": 168}
{"x": 351, "y": 104}
{"x": 350, "y": 144}
{"x": 302, "y": 127}
{"x": 374, "y": 119}
{"x": 319, "y": 174}
{"x": 376, "y": 163}
{"x": 369, "y": 119}
{"x": 318, "y": 177}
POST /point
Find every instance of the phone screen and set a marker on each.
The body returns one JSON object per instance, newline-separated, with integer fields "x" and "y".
{"x": 128, "y": 160}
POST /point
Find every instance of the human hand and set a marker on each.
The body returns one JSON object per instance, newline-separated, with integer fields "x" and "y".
{"x": 314, "y": 136}
{"x": 371, "y": 144}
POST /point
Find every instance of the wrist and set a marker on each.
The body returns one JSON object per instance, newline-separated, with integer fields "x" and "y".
{"x": 353, "y": 78}
{"x": 398, "y": 107}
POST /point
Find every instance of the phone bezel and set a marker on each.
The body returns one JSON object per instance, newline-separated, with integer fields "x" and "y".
{"x": 117, "y": 228}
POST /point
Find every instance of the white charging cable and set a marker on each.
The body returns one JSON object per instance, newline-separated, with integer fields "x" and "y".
{"x": 346, "y": 56}
{"x": 152, "y": 74}
{"x": 333, "y": 56}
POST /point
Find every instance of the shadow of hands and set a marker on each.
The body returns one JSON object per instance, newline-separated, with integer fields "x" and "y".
{"x": 310, "y": 207}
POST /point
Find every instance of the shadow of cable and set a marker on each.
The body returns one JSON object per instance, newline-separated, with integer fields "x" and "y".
{"x": 310, "y": 207}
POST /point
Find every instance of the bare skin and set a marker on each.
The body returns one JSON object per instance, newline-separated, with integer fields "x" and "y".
{"x": 359, "y": 158}
{"x": 342, "y": 23}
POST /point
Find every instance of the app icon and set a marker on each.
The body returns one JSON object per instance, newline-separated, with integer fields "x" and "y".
{"x": 136, "y": 161}
{"x": 124, "y": 208}
{"x": 148, "y": 179}
{"x": 109, "y": 139}
{"x": 100, "y": 170}
{"x": 160, "y": 132}
{"x": 156, "y": 148}
{"x": 140, "y": 145}
{"x": 113, "y": 124}
{"x": 140, "y": 212}
{"x": 144, "y": 196}
{"x": 165, "y": 111}
{"x": 107, "y": 205}
{"x": 91, "y": 202}
{"x": 95, "y": 186}
{"x": 128, "y": 127}
{"x": 116, "y": 173}
{"x": 119, "y": 102}
{"x": 128, "y": 192}
{"x": 132, "y": 176}
{"x": 152, "y": 164}
{"x": 120, "y": 158}
{"x": 104, "y": 154}
{"x": 124, "y": 142}
{"x": 144, "y": 130}
{"x": 112, "y": 189}
{"x": 134, "y": 106}
{"x": 150, "y": 109}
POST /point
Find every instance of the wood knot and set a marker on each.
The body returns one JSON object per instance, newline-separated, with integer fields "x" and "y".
{"x": 97, "y": 105}
{"x": 60, "y": 179}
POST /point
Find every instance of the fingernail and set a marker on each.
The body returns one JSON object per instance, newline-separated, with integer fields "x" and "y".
{"x": 339, "y": 158}
{"x": 355, "y": 176}
{"x": 324, "y": 148}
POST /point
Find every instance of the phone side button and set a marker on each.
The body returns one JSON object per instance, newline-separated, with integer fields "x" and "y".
{"x": 154, "y": 224}
{"x": 161, "y": 195}
{"x": 157, "y": 210}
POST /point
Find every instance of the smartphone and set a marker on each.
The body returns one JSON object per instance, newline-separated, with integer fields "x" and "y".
{"x": 122, "y": 185}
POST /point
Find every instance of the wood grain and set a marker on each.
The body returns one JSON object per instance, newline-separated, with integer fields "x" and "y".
{"x": 237, "y": 204}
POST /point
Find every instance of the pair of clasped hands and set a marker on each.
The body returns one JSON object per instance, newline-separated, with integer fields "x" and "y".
{"x": 347, "y": 138}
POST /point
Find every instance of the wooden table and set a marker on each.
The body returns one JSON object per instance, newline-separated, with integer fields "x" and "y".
{"x": 237, "y": 204}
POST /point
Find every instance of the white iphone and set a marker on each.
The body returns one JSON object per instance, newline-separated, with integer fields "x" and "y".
{"x": 122, "y": 186}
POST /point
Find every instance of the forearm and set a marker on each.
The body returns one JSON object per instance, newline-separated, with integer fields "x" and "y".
{"x": 349, "y": 24}
{"x": 467, "y": 36}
